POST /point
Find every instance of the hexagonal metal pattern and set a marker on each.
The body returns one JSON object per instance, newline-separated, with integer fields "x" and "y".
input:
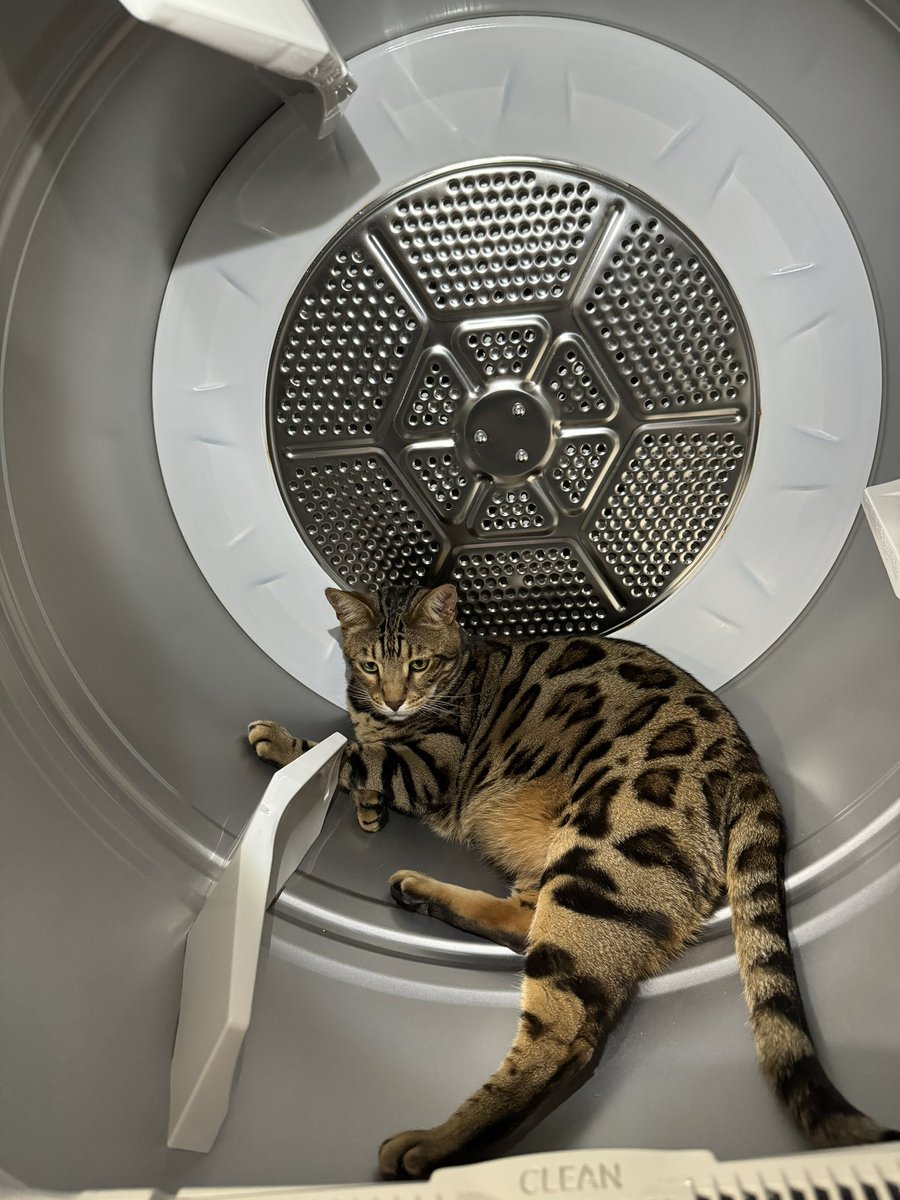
{"x": 520, "y": 376}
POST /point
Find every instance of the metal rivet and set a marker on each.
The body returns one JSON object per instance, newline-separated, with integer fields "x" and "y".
{"x": 521, "y": 455}
{"x": 519, "y": 409}
{"x": 480, "y": 435}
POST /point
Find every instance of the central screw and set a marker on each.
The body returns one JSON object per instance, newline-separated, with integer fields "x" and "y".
{"x": 503, "y": 452}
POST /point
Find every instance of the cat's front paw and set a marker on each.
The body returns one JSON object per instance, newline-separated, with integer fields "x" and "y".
{"x": 273, "y": 743}
{"x": 411, "y": 1155}
{"x": 371, "y": 811}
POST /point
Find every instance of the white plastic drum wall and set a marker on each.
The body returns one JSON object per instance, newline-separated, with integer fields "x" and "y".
{"x": 158, "y": 210}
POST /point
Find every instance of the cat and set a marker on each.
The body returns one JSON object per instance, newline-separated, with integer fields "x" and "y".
{"x": 620, "y": 797}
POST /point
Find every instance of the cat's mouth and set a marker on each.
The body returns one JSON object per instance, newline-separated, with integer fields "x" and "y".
{"x": 395, "y": 714}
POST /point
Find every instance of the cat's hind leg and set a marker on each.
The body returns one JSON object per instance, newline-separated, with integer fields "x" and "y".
{"x": 588, "y": 948}
{"x": 505, "y": 921}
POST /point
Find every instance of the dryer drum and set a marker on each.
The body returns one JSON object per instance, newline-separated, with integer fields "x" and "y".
{"x": 591, "y": 306}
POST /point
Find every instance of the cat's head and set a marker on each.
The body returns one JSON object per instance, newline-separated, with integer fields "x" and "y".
{"x": 403, "y": 646}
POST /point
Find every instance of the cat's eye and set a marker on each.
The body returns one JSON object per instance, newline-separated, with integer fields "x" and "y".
{"x": 418, "y": 664}
{"x": 370, "y": 667}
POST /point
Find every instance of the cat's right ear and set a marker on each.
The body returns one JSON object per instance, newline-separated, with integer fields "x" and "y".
{"x": 354, "y": 610}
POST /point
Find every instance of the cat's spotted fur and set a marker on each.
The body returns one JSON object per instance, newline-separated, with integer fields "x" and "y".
{"x": 619, "y": 796}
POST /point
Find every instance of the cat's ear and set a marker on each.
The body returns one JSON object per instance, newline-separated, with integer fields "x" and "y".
{"x": 437, "y": 607}
{"x": 354, "y": 610}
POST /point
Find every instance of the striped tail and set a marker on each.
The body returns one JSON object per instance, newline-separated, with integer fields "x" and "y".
{"x": 784, "y": 1047}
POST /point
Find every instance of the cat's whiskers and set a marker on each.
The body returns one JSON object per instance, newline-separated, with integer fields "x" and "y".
{"x": 443, "y": 706}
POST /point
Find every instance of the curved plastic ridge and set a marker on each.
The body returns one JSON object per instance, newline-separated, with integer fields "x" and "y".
{"x": 223, "y": 944}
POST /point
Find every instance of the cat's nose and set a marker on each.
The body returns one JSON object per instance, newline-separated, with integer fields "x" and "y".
{"x": 394, "y": 704}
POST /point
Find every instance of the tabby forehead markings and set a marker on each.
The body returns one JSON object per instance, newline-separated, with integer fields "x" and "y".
{"x": 617, "y": 795}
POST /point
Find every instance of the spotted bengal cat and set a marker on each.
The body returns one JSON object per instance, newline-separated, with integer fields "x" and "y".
{"x": 618, "y": 795}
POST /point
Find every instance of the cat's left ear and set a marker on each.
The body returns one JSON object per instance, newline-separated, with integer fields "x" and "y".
{"x": 437, "y": 607}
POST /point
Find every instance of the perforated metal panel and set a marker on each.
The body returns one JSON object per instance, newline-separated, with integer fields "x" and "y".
{"x": 522, "y": 377}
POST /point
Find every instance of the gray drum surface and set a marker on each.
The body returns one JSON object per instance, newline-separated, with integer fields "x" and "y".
{"x": 126, "y": 685}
